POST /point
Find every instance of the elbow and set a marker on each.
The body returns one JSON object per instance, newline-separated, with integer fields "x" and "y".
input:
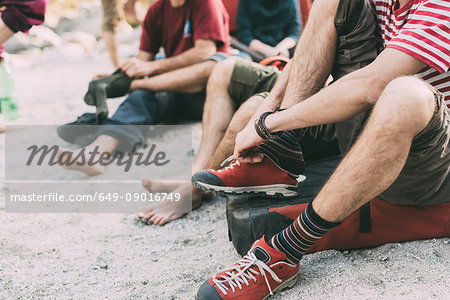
{"x": 374, "y": 87}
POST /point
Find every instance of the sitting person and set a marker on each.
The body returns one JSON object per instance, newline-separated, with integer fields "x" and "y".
{"x": 18, "y": 16}
{"x": 237, "y": 88}
{"x": 113, "y": 13}
{"x": 269, "y": 27}
{"x": 194, "y": 35}
{"x": 397, "y": 141}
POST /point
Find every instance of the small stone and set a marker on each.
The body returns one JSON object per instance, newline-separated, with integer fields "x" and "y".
{"x": 104, "y": 267}
{"x": 145, "y": 282}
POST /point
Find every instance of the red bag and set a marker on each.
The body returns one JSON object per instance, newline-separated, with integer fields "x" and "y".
{"x": 376, "y": 223}
{"x": 388, "y": 223}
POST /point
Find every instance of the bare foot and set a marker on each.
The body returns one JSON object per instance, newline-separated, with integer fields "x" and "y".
{"x": 162, "y": 186}
{"x": 72, "y": 163}
{"x": 163, "y": 212}
{"x": 2, "y": 127}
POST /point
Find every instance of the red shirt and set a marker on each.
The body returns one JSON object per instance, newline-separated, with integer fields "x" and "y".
{"x": 177, "y": 28}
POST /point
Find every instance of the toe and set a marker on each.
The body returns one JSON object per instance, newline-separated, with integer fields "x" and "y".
{"x": 161, "y": 222}
{"x": 152, "y": 219}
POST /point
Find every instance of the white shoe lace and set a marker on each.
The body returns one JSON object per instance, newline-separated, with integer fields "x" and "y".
{"x": 231, "y": 165}
{"x": 240, "y": 274}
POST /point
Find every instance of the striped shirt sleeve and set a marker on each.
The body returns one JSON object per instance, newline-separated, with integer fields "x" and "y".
{"x": 426, "y": 35}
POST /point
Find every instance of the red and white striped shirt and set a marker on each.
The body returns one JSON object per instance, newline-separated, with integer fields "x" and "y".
{"x": 420, "y": 28}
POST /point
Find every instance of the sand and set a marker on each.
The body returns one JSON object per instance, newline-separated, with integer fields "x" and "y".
{"x": 112, "y": 256}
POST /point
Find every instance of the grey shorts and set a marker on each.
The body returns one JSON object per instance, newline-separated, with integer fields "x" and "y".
{"x": 425, "y": 180}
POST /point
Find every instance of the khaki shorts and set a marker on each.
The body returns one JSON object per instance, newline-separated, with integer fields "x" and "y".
{"x": 249, "y": 78}
{"x": 112, "y": 12}
{"x": 425, "y": 180}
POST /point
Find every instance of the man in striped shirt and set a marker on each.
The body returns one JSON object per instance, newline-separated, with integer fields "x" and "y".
{"x": 402, "y": 154}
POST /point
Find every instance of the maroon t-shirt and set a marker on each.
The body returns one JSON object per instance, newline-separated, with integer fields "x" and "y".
{"x": 177, "y": 28}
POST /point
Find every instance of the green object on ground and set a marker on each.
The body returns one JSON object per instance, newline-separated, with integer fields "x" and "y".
{"x": 8, "y": 103}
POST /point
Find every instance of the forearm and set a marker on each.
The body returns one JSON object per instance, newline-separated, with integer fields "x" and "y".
{"x": 314, "y": 56}
{"x": 187, "y": 58}
{"x": 340, "y": 101}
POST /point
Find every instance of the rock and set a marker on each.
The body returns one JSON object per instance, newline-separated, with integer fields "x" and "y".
{"x": 72, "y": 51}
{"x": 38, "y": 37}
{"x": 88, "y": 19}
{"x": 384, "y": 258}
{"x": 45, "y": 37}
{"x": 19, "y": 42}
{"x": 87, "y": 40}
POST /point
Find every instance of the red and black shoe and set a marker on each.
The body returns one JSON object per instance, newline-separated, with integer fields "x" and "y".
{"x": 256, "y": 276}
{"x": 241, "y": 178}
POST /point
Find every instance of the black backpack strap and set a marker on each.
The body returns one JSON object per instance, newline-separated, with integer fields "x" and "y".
{"x": 365, "y": 223}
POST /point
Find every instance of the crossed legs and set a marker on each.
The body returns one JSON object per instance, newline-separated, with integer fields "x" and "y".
{"x": 403, "y": 110}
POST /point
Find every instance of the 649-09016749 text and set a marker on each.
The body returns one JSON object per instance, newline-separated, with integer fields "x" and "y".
{"x": 94, "y": 197}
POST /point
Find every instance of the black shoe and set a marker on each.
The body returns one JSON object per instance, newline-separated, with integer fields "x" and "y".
{"x": 115, "y": 85}
{"x": 79, "y": 132}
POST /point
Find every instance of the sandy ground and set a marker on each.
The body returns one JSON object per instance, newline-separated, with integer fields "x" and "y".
{"x": 111, "y": 256}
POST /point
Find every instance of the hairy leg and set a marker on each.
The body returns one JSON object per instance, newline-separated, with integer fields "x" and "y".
{"x": 162, "y": 215}
{"x": 217, "y": 112}
{"x": 314, "y": 56}
{"x": 240, "y": 119}
{"x": 375, "y": 161}
{"x": 189, "y": 79}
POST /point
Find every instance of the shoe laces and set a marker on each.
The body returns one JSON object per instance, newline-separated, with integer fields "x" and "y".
{"x": 240, "y": 274}
{"x": 232, "y": 163}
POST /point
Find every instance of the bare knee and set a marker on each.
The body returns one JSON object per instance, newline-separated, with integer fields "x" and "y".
{"x": 224, "y": 69}
{"x": 243, "y": 114}
{"x": 406, "y": 102}
{"x": 251, "y": 104}
{"x": 205, "y": 68}
{"x": 248, "y": 108}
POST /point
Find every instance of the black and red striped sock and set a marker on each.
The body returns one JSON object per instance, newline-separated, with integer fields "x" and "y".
{"x": 296, "y": 239}
{"x": 285, "y": 151}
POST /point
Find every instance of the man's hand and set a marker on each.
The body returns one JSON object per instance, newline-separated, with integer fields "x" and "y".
{"x": 282, "y": 51}
{"x": 135, "y": 67}
{"x": 245, "y": 147}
